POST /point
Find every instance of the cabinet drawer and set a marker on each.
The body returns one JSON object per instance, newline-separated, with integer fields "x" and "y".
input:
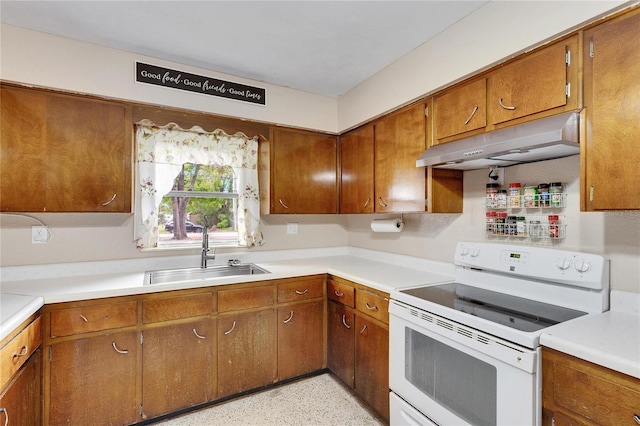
{"x": 170, "y": 308}
{"x": 85, "y": 319}
{"x": 300, "y": 289}
{"x": 15, "y": 353}
{"x": 340, "y": 292}
{"x": 373, "y": 304}
{"x": 245, "y": 298}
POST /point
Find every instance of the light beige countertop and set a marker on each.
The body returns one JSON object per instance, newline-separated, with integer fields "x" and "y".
{"x": 611, "y": 339}
{"x": 45, "y": 284}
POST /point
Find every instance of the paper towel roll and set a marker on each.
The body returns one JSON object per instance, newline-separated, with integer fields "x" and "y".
{"x": 387, "y": 225}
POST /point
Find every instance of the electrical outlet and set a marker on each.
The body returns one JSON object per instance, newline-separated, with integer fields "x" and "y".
{"x": 39, "y": 235}
{"x": 292, "y": 228}
{"x": 496, "y": 175}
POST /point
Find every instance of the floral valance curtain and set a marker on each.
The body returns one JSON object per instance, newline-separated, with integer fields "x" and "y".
{"x": 161, "y": 152}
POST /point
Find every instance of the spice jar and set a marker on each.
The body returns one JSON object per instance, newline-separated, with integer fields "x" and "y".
{"x": 555, "y": 193}
{"x": 492, "y": 195}
{"x": 491, "y": 223}
{"x": 535, "y": 229}
{"x": 501, "y": 222}
{"x": 515, "y": 195}
{"x": 511, "y": 226}
{"x": 501, "y": 200}
{"x": 543, "y": 195}
{"x": 554, "y": 226}
{"x": 521, "y": 226}
{"x": 531, "y": 196}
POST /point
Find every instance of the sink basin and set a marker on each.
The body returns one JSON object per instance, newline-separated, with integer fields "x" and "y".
{"x": 191, "y": 274}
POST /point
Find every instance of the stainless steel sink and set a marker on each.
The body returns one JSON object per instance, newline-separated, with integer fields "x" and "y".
{"x": 191, "y": 274}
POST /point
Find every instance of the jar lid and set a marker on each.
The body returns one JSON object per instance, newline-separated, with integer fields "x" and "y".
{"x": 502, "y": 191}
{"x": 534, "y": 222}
{"x": 502, "y": 214}
{"x": 553, "y": 217}
{"x": 556, "y": 183}
{"x": 515, "y": 185}
{"x": 543, "y": 185}
{"x": 493, "y": 185}
{"x": 491, "y": 214}
{"x": 520, "y": 218}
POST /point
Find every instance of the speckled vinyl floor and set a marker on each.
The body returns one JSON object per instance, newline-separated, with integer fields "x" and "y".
{"x": 318, "y": 400}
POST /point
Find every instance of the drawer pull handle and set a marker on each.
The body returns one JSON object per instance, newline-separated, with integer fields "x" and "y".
{"x": 511, "y": 108}
{"x": 6, "y": 416}
{"x": 363, "y": 329}
{"x": 282, "y": 203}
{"x": 471, "y": 116}
{"x": 344, "y": 321}
{"x": 636, "y": 418}
{"x": 232, "y": 328}
{"x": 382, "y": 203}
{"x": 23, "y": 352}
{"x": 106, "y": 203}
{"x": 288, "y": 319}
{"x": 302, "y": 292}
{"x": 84, "y": 318}
{"x": 371, "y": 308}
{"x": 197, "y": 335}
{"x": 115, "y": 348}
{"x": 338, "y": 294}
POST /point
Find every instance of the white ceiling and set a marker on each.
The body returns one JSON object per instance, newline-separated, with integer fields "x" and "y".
{"x": 322, "y": 47}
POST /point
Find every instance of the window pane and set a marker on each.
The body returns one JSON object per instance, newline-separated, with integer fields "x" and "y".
{"x": 182, "y": 218}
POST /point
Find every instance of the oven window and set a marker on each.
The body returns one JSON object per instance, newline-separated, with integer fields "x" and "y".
{"x": 463, "y": 384}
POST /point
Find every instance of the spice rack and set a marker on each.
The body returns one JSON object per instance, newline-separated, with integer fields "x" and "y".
{"x": 532, "y": 216}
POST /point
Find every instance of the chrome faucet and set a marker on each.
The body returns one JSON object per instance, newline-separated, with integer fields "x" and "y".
{"x": 205, "y": 256}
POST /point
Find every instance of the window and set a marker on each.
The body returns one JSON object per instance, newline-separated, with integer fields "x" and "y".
{"x": 185, "y": 176}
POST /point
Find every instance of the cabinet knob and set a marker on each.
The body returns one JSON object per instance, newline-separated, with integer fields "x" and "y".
{"x": 106, "y": 203}
{"x": 298, "y": 292}
{"x": 232, "y": 328}
{"x": 282, "y": 203}
{"x": 120, "y": 351}
{"x": 381, "y": 202}
{"x": 344, "y": 321}
{"x": 371, "y": 308}
{"x": 636, "y": 418}
{"x": 288, "y": 319}
{"x": 197, "y": 335}
{"x": 471, "y": 116}
{"x": 6, "y": 416}
{"x": 23, "y": 352}
{"x": 511, "y": 108}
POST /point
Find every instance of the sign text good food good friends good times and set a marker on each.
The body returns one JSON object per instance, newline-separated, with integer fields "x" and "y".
{"x": 166, "y": 77}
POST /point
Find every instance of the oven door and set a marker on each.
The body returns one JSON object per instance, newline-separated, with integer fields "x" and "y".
{"x": 456, "y": 375}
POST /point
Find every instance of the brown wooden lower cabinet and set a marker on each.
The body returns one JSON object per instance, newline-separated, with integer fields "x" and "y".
{"x": 177, "y": 367}
{"x": 246, "y": 351}
{"x": 577, "y": 392}
{"x": 93, "y": 380}
{"x": 372, "y": 363}
{"x": 300, "y": 339}
{"x": 22, "y": 399}
{"x": 341, "y": 342}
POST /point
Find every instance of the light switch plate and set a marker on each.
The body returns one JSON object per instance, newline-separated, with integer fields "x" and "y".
{"x": 292, "y": 228}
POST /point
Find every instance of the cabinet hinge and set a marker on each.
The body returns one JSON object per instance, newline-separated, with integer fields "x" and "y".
{"x": 141, "y": 410}
{"x": 426, "y": 111}
{"x": 567, "y": 90}
{"x": 553, "y": 421}
{"x": 591, "y": 194}
{"x": 567, "y": 58}
{"x": 591, "y": 48}
{"x": 141, "y": 338}
{"x": 50, "y": 353}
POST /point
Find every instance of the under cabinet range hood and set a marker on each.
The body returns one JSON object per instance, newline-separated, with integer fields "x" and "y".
{"x": 543, "y": 139}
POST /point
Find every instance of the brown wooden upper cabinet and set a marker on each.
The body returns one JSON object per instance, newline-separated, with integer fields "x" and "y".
{"x": 356, "y": 171}
{"x": 302, "y": 173}
{"x": 64, "y": 153}
{"x": 543, "y": 82}
{"x": 459, "y": 111}
{"x": 611, "y": 150}
{"x": 378, "y": 168}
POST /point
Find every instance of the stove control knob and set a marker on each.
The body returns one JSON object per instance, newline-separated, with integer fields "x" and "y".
{"x": 464, "y": 251}
{"x": 564, "y": 263}
{"x": 582, "y": 265}
{"x": 475, "y": 252}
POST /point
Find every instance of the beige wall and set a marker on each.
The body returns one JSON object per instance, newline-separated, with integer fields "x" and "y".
{"x": 474, "y": 43}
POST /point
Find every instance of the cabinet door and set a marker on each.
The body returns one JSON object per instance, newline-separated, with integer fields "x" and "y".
{"x": 611, "y": 160}
{"x": 340, "y": 342}
{"x": 372, "y": 364}
{"x": 92, "y": 380}
{"x": 304, "y": 172}
{"x": 22, "y": 400}
{"x": 399, "y": 141}
{"x": 460, "y": 110}
{"x": 536, "y": 83}
{"x": 178, "y": 370}
{"x": 300, "y": 339}
{"x": 356, "y": 171}
{"x": 246, "y": 351}
{"x": 69, "y": 153}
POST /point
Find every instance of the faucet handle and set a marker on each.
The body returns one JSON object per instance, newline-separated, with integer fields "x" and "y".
{"x": 234, "y": 262}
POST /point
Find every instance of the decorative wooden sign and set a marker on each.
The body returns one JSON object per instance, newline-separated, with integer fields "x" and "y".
{"x": 152, "y": 74}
